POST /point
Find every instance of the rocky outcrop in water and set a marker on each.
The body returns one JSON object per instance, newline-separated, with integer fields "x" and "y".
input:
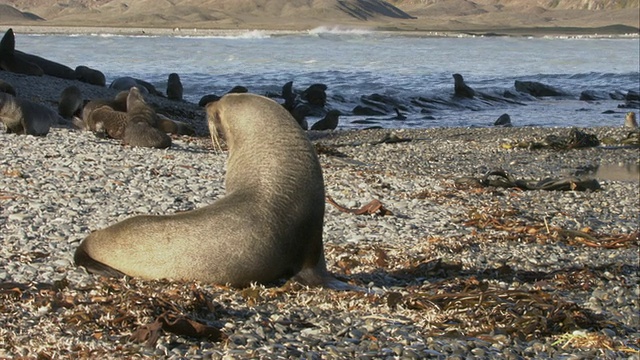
{"x": 538, "y": 89}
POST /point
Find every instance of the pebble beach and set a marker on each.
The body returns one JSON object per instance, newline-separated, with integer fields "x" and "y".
{"x": 453, "y": 271}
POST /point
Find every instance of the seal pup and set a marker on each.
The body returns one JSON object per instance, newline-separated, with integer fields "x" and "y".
{"x": 142, "y": 134}
{"x": 12, "y": 63}
{"x": 170, "y": 126}
{"x": 24, "y": 117}
{"x": 267, "y": 227}
{"x": 142, "y": 121}
{"x": 138, "y": 110}
{"x": 71, "y": 102}
{"x": 630, "y": 120}
{"x": 104, "y": 120}
{"x": 329, "y": 122}
{"x": 461, "y": 89}
{"x": 174, "y": 87}
{"x": 88, "y": 122}
{"x": 504, "y": 120}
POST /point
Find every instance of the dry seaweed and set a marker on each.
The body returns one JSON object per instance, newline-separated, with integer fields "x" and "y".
{"x": 370, "y": 208}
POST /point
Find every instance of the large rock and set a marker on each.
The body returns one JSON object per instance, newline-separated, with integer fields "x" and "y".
{"x": 538, "y": 89}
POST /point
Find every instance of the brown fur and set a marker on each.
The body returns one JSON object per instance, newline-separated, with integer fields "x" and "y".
{"x": 140, "y": 133}
{"x": 167, "y": 125}
{"x": 268, "y": 226}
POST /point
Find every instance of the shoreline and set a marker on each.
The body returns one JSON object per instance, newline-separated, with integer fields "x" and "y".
{"x": 535, "y": 32}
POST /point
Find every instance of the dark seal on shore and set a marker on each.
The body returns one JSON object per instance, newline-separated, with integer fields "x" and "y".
{"x": 71, "y": 102}
{"x": 11, "y": 61}
{"x": 24, "y": 117}
{"x": 90, "y": 76}
{"x": 174, "y": 87}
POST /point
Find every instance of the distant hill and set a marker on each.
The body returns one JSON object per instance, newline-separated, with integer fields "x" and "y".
{"x": 409, "y": 15}
{"x": 9, "y": 14}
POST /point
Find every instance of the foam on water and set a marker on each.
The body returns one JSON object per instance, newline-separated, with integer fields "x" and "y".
{"x": 355, "y": 63}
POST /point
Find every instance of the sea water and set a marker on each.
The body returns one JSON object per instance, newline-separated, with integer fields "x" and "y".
{"x": 359, "y": 63}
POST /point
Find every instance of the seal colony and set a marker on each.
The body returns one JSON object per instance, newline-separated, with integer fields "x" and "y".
{"x": 267, "y": 227}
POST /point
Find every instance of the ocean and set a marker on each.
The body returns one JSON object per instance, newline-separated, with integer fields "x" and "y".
{"x": 380, "y": 71}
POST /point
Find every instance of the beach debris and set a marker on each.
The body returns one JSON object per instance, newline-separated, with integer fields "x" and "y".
{"x": 575, "y": 140}
{"x": 391, "y": 138}
{"x": 501, "y": 178}
{"x": 328, "y": 150}
{"x": 176, "y": 324}
{"x": 370, "y": 208}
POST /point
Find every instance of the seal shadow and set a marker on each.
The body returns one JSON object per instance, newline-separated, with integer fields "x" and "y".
{"x": 437, "y": 270}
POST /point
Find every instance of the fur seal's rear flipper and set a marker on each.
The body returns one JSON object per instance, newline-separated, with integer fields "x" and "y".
{"x": 81, "y": 258}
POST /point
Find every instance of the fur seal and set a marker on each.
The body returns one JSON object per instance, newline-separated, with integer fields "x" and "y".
{"x": 10, "y": 61}
{"x": 71, "y": 102}
{"x": 299, "y": 113}
{"x": 289, "y": 96}
{"x": 49, "y": 67}
{"x": 142, "y": 122}
{"x": 174, "y": 87}
{"x": 461, "y": 89}
{"x": 138, "y": 110}
{"x": 504, "y": 120}
{"x": 329, "y": 122}
{"x": 105, "y": 120}
{"x": 630, "y": 120}
{"x": 316, "y": 95}
{"x": 127, "y": 82}
{"x": 170, "y": 126}
{"x": 267, "y": 227}
{"x": 88, "y": 122}
{"x": 24, "y": 117}
{"x": 90, "y": 76}
{"x": 21, "y": 62}
{"x": 209, "y": 98}
{"x": 142, "y": 134}
{"x": 5, "y": 87}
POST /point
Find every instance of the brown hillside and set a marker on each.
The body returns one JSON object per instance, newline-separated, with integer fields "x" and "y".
{"x": 408, "y": 15}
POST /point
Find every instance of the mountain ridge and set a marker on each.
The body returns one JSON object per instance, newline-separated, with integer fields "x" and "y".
{"x": 407, "y": 15}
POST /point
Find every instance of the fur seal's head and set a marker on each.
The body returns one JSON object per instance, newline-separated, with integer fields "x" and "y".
{"x": 238, "y": 117}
